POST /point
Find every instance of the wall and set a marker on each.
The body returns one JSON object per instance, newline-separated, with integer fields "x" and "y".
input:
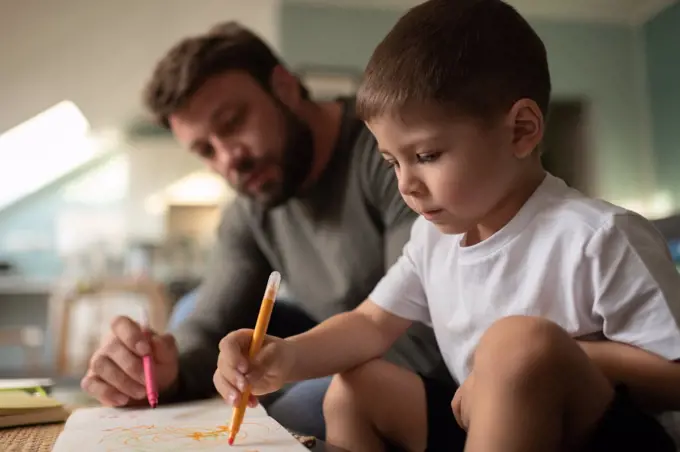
{"x": 31, "y": 237}
{"x": 599, "y": 63}
{"x": 50, "y": 56}
{"x": 99, "y": 54}
{"x": 662, "y": 44}
{"x": 154, "y": 164}
{"x": 30, "y": 230}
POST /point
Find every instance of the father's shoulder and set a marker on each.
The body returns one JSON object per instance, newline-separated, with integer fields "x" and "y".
{"x": 354, "y": 131}
{"x": 241, "y": 211}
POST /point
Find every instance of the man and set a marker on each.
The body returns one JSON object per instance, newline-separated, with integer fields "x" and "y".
{"x": 315, "y": 202}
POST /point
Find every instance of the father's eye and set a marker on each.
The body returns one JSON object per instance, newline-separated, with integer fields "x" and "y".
{"x": 428, "y": 157}
{"x": 207, "y": 151}
{"x": 231, "y": 124}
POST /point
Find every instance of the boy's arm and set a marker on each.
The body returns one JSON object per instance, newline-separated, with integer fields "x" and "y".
{"x": 637, "y": 297}
{"x": 353, "y": 338}
{"x": 653, "y": 380}
{"x": 345, "y": 341}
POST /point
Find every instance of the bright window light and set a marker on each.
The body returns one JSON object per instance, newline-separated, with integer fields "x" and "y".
{"x": 199, "y": 188}
{"x": 42, "y": 149}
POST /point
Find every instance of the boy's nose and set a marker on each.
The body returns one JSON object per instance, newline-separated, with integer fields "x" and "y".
{"x": 409, "y": 184}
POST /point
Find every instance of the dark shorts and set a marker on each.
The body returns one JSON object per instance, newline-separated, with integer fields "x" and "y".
{"x": 624, "y": 428}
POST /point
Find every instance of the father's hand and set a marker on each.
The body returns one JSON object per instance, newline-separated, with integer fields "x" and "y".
{"x": 115, "y": 375}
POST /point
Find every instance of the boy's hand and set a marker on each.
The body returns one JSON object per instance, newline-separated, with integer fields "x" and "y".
{"x": 461, "y": 403}
{"x": 266, "y": 373}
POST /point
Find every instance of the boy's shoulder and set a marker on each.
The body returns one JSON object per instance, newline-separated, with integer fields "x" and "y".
{"x": 558, "y": 216}
{"x": 569, "y": 220}
{"x": 565, "y": 210}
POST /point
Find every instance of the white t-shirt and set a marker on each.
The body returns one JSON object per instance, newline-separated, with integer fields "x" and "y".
{"x": 587, "y": 265}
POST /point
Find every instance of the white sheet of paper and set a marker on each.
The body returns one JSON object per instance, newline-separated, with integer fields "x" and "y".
{"x": 194, "y": 426}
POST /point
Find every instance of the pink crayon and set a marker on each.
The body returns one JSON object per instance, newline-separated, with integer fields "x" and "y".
{"x": 147, "y": 361}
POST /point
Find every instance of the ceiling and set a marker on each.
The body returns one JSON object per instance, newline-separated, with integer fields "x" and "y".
{"x": 615, "y": 11}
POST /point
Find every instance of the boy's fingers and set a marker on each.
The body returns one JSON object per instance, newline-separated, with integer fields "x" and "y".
{"x": 228, "y": 392}
{"x": 234, "y": 347}
{"x": 456, "y": 406}
{"x": 267, "y": 356}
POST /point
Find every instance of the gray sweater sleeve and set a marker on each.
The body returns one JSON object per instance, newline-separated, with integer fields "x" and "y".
{"x": 228, "y": 299}
{"x": 382, "y": 193}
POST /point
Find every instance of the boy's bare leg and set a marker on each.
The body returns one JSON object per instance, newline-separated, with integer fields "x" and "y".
{"x": 533, "y": 389}
{"x": 374, "y": 401}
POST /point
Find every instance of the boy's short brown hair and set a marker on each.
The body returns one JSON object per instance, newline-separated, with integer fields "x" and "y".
{"x": 192, "y": 61}
{"x": 473, "y": 57}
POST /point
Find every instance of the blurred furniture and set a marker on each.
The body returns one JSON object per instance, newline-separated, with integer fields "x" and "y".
{"x": 670, "y": 229}
{"x": 669, "y": 226}
{"x": 80, "y": 316}
{"x": 28, "y": 338}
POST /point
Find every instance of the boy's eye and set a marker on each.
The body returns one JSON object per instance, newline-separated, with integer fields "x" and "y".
{"x": 428, "y": 157}
{"x": 391, "y": 162}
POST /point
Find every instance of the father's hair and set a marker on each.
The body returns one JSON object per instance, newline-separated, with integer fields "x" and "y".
{"x": 471, "y": 57}
{"x": 192, "y": 61}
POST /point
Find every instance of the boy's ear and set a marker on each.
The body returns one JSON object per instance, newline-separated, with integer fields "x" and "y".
{"x": 286, "y": 87}
{"x": 527, "y": 124}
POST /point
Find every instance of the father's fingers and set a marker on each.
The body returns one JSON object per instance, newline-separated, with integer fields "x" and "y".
{"x": 102, "y": 391}
{"x": 106, "y": 370}
{"x": 126, "y": 360}
{"x": 130, "y": 334}
{"x": 164, "y": 348}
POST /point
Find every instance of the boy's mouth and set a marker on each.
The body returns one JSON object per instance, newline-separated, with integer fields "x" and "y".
{"x": 431, "y": 214}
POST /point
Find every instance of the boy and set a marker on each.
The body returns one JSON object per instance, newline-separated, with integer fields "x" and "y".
{"x": 556, "y": 313}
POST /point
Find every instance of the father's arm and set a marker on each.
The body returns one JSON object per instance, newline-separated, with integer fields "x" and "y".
{"x": 637, "y": 295}
{"x": 228, "y": 299}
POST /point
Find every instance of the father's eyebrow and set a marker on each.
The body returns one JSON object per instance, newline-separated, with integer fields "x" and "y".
{"x": 215, "y": 115}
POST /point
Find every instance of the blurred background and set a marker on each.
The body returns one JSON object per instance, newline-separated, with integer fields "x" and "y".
{"x": 101, "y": 212}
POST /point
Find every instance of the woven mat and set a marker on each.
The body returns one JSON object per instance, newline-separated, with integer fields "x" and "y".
{"x": 38, "y": 438}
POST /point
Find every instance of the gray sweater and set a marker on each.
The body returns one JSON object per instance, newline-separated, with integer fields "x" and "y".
{"x": 332, "y": 244}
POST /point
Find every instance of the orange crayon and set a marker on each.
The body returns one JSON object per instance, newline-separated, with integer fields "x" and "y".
{"x": 258, "y": 337}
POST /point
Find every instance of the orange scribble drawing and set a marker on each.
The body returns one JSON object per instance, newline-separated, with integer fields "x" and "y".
{"x": 174, "y": 438}
{"x": 220, "y": 430}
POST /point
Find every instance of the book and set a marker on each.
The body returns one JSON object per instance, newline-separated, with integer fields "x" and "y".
{"x": 19, "y": 407}
{"x": 193, "y": 426}
{"x": 25, "y": 383}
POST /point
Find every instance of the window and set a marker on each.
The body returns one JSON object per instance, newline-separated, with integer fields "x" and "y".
{"x": 42, "y": 149}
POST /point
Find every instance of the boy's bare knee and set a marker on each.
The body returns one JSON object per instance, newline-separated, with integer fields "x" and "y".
{"x": 338, "y": 396}
{"x": 521, "y": 347}
{"x": 347, "y": 390}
